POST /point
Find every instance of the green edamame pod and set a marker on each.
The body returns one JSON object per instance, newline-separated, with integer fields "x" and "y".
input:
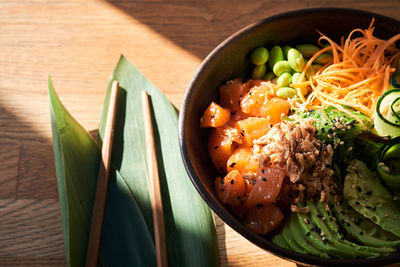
{"x": 323, "y": 59}
{"x": 275, "y": 55}
{"x": 285, "y": 50}
{"x": 259, "y": 56}
{"x": 307, "y": 50}
{"x": 296, "y": 78}
{"x": 281, "y": 67}
{"x": 296, "y": 60}
{"x": 286, "y": 92}
{"x": 259, "y": 71}
{"x": 284, "y": 80}
{"x": 269, "y": 76}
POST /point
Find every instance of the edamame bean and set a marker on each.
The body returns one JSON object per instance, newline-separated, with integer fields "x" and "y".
{"x": 323, "y": 59}
{"x": 275, "y": 55}
{"x": 259, "y": 56}
{"x": 285, "y": 50}
{"x": 281, "y": 67}
{"x": 284, "y": 80}
{"x": 296, "y": 60}
{"x": 286, "y": 92}
{"x": 307, "y": 50}
{"x": 259, "y": 71}
{"x": 269, "y": 76}
{"x": 296, "y": 78}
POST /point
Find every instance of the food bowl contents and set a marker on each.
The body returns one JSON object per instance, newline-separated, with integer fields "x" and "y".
{"x": 307, "y": 148}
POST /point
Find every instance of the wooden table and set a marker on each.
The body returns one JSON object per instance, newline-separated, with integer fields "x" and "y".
{"x": 79, "y": 43}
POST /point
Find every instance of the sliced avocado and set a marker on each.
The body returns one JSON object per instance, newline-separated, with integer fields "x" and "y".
{"x": 343, "y": 244}
{"x": 352, "y": 226}
{"x": 329, "y": 218}
{"x": 278, "y": 240}
{"x": 317, "y": 241}
{"x": 365, "y": 224}
{"x": 287, "y": 236}
{"x": 378, "y": 205}
{"x": 301, "y": 240}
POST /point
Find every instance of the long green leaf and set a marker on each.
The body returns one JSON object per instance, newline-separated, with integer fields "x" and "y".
{"x": 190, "y": 229}
{"x": 126, "y": 240}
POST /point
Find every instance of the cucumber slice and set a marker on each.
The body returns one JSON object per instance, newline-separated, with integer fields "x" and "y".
{"x": 387, "y": 117}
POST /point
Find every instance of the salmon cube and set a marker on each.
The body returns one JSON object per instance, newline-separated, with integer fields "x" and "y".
{"x": 253, "y": 128}
{"x": 215, "y": 116}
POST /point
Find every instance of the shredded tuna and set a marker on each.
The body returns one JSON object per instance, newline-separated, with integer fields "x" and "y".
{"x": 306, "y": 159}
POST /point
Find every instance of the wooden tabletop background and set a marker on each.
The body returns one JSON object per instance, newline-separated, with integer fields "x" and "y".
{"x": 79, "y": 43}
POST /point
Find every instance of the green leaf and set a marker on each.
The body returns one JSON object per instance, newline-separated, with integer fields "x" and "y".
{"x": 126, "y": 240}
{"x": 190, "y": 228}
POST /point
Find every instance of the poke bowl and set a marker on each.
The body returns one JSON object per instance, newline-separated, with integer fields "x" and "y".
{"x": 324, "y": 211}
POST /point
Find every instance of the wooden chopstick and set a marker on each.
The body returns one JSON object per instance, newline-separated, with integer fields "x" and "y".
{"x": 102, "y": 182}
{"x": 154, "y": 183}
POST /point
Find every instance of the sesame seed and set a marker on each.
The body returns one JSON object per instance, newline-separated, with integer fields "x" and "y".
{"x": 232, "y": 165}
{"x": 350, "y": 148}
{"x": 216, "y": 147}
{"x": 232, "y": 181}
{"x": 306, "y": 221}
{"x": 264, "y": 179}
{"x": 262, "y": 170}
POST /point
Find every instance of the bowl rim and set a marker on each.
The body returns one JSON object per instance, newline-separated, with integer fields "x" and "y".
{"x": 231, "y": 220}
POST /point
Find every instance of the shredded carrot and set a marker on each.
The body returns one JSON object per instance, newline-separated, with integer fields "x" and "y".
{"x": 360, "y": 72}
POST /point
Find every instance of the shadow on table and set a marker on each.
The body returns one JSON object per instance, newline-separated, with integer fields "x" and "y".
{"x": 199, "y": 26}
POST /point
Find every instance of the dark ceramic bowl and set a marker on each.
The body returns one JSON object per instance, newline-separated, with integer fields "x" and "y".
{"x": 229, "y": 60}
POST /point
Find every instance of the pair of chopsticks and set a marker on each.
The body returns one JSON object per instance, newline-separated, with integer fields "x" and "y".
{"x": 102, "y": 183}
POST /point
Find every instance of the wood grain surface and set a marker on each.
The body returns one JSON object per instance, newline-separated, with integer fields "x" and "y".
{"x": 79, "y": 42}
